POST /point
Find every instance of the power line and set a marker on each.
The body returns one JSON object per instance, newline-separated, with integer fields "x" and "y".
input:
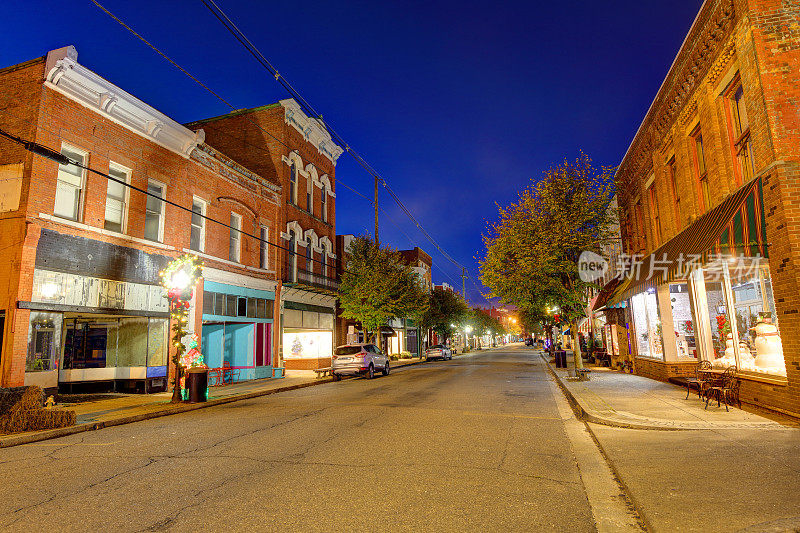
{"x": 226, "y": 21}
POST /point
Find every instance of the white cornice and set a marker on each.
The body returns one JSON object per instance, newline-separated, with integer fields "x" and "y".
{"x": 65, "y": 75}
{"x": 311, "y": 129}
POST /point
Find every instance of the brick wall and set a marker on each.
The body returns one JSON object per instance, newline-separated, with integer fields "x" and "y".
{"x": 61, "y": 120}
{"x": 662, "y": 371}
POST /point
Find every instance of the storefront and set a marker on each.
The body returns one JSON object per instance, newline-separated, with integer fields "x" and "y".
{"x": 237, "y": 329}
{"x": 707, "y": 295}
{"x": 307, "y": 335}
{"x": 91, "y": 334}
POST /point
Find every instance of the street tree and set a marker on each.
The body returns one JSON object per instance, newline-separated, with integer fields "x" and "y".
{"x": 378, "y": 285}
{"x": 532, "y": 251}
{"x": 485, "y": 324}
{"x": 444, "y": 309}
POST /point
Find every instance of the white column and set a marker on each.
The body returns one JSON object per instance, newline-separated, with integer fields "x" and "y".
{"x": 702, "y": 333}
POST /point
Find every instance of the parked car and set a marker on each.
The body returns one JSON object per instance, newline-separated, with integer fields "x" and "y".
{"x": 438, "y": 351}
{"x": 351, "y": 359}
{"x": 529, "y": 341}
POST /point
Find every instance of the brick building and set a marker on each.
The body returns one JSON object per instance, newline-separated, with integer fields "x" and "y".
{"x": 80, "y": 300}
{"x": 295, "y": 152}
{"x": 709, "y": 196}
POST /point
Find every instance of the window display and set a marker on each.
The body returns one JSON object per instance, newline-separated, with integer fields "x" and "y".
{"x": 311, "y": 344}
{"x": 683, "y": 321}
{"x": 647, "y": 324}
{"x": 44, "y": 336}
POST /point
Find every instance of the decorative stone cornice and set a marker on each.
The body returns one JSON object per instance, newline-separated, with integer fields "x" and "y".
{"x": 221, "y": 164}
{"x": 312, "y": 129}
{"x": 719, "y": 66}
{"x": 65, "y": 75}
{"x": 702, "y": 47}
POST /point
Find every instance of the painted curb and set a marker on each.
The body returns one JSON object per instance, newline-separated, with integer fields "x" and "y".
{"x": 28, "y": 438}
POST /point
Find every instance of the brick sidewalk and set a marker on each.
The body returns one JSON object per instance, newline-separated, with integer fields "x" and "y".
{"x": 625, "y": 400}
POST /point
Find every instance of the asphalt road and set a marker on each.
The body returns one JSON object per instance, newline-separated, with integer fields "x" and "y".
{"x": 478, "y": 443}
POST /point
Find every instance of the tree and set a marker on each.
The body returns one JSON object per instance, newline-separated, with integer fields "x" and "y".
{"x": 377, "y": 286}
{"x": 444, "y": 308}
{"x": 483, "y": 323}
{"x": 532, "y": 252}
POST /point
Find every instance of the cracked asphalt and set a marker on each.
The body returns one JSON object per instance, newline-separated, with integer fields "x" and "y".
{"x": 476, "y": 443}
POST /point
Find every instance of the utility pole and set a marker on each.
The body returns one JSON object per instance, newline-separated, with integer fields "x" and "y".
{"x": 463, "y": 282}
{"x": 377, "y": 245}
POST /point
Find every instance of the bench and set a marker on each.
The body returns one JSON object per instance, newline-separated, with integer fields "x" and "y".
{"x": 322, "y": 372}
{"x": 582, "y": 373}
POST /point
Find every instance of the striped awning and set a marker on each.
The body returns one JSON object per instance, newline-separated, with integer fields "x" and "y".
{"x": 736, "y": 226}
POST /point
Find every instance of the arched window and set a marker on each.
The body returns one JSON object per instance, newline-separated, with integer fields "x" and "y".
{"x": 293, "y": 183}
{"x": 309, "y": 266}
{"x": 292, "y": 264}
{"x": 325, "y": 259}
{"x": 324, "y": 201}
{"x": 310, "y": 194}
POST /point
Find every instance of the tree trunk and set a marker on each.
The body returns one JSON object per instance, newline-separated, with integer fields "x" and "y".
{"x": 576, "y": 346}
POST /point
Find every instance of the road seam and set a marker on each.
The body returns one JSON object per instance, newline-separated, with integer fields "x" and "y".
{"x": 612, "y": 508}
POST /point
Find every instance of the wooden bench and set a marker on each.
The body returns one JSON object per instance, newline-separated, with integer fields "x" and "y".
{"x": 582, "y": 373}
{"x": 322, "y": 372}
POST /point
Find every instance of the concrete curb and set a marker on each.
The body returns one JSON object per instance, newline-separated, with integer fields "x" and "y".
{"x": 588, "y": 416}
{"x": 37, "y": 436}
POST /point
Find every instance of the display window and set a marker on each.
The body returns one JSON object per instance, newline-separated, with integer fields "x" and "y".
{"x": 647, "y": 325}
{"x": 683, "y": 321}
{"x": 44, "y": 337}
{"x": 744, "y": 329}
{"x": 307, "y": 344}
{"x": 114, "y": 342}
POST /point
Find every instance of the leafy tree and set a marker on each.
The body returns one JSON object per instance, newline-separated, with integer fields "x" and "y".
{"x": 484, "y": 323}
{"x": 532, "y": 251}
{"x": 444, "y": 308}
{"x": 378, "y": 285}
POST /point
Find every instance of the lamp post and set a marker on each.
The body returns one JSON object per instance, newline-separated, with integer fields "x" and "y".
{"x": 179, "y": 279}
{"x": 467, "y": 331}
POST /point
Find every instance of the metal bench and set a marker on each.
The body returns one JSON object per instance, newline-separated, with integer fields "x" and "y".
{"x": 322, "y": 372}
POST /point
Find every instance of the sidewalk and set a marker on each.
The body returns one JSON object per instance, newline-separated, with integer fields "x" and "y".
{"x": 616, "y": 399}
{"x": 117, "y": 409}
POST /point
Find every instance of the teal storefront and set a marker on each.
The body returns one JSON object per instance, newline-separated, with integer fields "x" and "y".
{"x": 237, "y": 329}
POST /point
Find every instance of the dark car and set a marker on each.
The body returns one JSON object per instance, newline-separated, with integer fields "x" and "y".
{"x": 529, "y": 341}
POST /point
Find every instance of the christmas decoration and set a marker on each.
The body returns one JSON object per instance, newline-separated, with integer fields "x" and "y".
{"x": 179, "y": 279}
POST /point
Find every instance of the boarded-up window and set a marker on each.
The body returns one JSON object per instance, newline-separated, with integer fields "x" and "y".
{"x": 10, "y": 186}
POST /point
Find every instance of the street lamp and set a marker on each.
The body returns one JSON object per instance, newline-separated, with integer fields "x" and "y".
{"x": 179, "y": 279}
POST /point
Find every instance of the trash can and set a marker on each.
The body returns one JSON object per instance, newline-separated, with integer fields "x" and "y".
{"x": 197, "y": 383}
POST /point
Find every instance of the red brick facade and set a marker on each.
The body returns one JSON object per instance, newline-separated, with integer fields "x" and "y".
{"x": 34, "y": 110}
{"x": 754, "y": 44}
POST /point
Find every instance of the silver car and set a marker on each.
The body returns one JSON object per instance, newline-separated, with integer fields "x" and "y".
{"x": 362, "y": 358}
{"x": 438, "y": 351}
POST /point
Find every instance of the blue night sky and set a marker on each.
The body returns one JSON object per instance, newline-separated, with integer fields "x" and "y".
{"x": 457, "y": 104}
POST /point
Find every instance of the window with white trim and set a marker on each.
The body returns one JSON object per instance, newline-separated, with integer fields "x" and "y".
{"x": 324, "y": 259}
{"x": 154, "y": 211}
{"x": 309, "y": 254}
{"x": 117, "y": 198}
{"x": 235, "y": 248}
{"x": 70, "y": 185}
{"x": 324, "y": 203}
{"x": 310, "y": 195}
{"x": 197, "y": 236}
{"x": 264, "y": 248}
{"x": 293, "y": 183}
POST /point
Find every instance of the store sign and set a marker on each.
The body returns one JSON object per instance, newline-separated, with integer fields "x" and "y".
{"x": 591, "y": 266}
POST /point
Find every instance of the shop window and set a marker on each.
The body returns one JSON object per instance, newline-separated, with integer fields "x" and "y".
{"x": 208, "y": 303}
{"x": 154, "y": 212}
{"x": 157, "y": 342}
{"x": 219, "y": 304}
{"x": 647, "y": 325}
{"x": 197, "y": 236}
{"x": 744, "y": 329}
{"x": 701, "y": 172}
{"x": 70, "y": 186}
{"x": 116, "y": 199}
{"x": 44, "y": 338}
{"x": 261, "y": 310}
{"x": 683, "y": 321}
{"x": 231, "y": 305}
{"x": 241, "y": 306}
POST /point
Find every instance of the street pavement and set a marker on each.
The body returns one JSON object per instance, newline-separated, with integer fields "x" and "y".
{"x": 480, "y": 443}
